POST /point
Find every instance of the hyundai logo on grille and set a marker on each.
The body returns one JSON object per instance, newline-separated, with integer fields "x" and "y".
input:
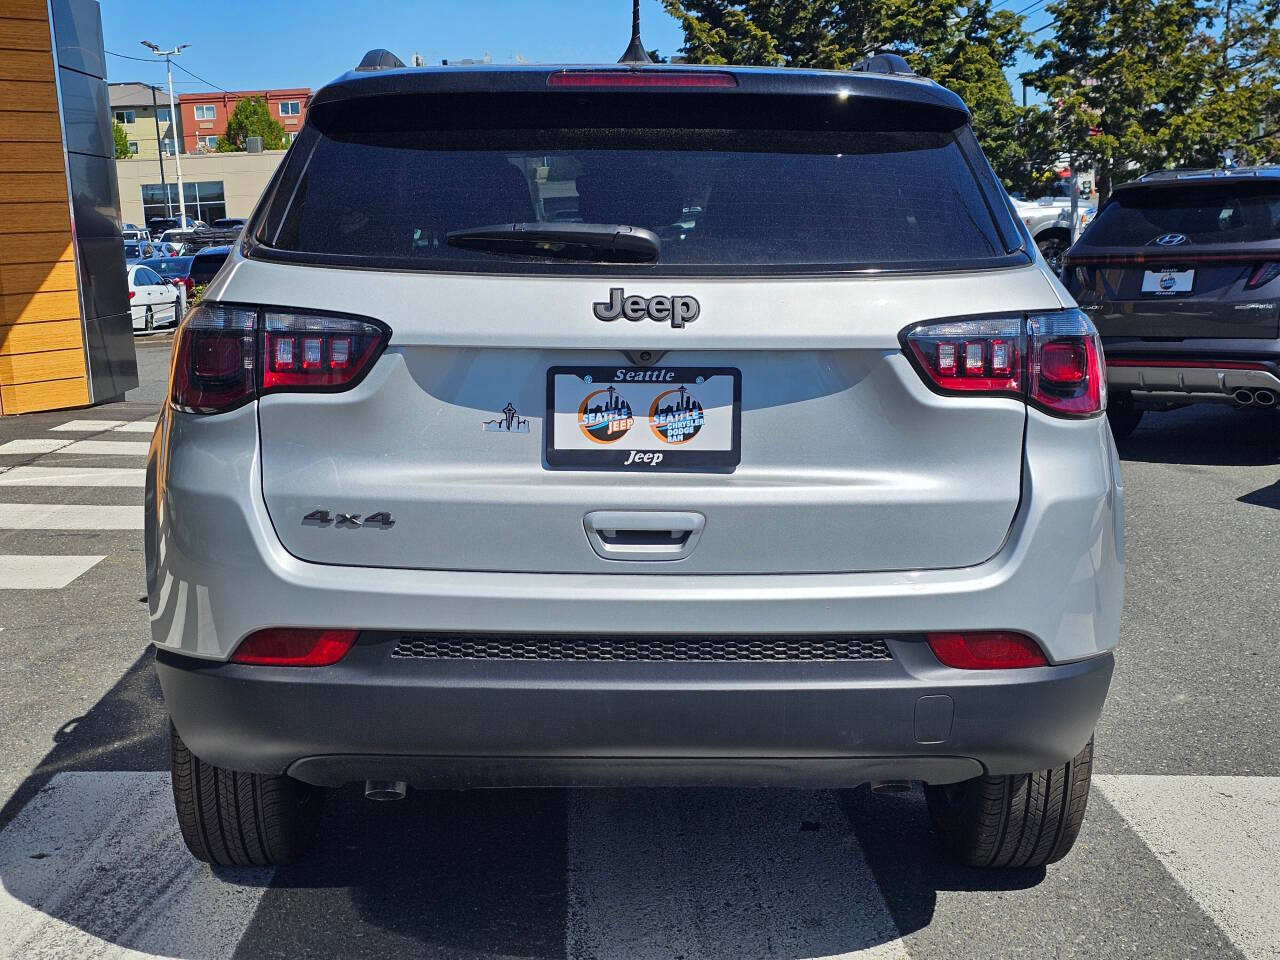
{"x": 1171, "y": 239}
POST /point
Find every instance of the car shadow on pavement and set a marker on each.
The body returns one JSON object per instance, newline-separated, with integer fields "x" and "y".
{"x": 125, "y": 730}
{"x": 532, "y": 873}
{"x": 1206, "y": 435}
{"x": 1264, "y": 497}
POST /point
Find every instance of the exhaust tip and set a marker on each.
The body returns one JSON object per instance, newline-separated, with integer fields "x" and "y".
{"x": 1243, "y": 397}
{"x": 385, "y": 789}
{"x": 882, "y": 787}
{"x": 1264, "y": 398}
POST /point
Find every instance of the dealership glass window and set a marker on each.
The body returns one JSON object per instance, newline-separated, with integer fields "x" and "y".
{"x": 125, "y": 116}
{"x": 206, "y": 200}
{"x": 289, "y": 108}
{"x": 206, "y": 111}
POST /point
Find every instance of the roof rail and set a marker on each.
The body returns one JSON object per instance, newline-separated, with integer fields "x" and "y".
{"x": 889, "y": 63}
{"x": 380, "y": 60}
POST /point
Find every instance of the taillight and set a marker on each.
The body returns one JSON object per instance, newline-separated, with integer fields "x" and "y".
{"x": 227, "y": 355}
{"x": 986, "y": 650}
{"x": 294, "y": 647}
{"x": 1262, "y": 274}
{"x": 1053, "y": 361}
{"x": 641, "y": 79}
{"x": 316, "y": 351}
{"x": 132, "y": 294}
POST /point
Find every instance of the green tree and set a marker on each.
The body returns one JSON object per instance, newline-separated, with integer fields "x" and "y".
{"x": 121, "y": 140}
{"x": 966, "y": 47}
{"x": 251, "y": 118}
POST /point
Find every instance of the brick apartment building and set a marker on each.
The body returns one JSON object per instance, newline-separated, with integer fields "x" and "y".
{"x": 204, "y": 115}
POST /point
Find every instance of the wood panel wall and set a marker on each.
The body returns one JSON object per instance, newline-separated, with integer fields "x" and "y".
{"x": 42, "y": 362}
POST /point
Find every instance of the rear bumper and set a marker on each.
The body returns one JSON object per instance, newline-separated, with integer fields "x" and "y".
{"x": 459, "y": 724}
{"x": 1189, "y": 378}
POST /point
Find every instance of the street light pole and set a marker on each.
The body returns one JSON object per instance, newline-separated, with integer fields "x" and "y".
{"x": 173, "y": 120}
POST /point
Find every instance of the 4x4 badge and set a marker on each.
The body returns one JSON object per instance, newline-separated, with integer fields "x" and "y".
{"x": 676, "y": 310}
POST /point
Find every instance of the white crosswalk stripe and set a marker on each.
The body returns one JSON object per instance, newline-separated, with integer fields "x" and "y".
{"x": 1219, "y": 837}
{"x": 94, "y": 867}
{"x": 88, "y": 426}
{"x": 68, "y": 516}
{"x": 27, "y": 476}
{"x": 22, "y": 572}
{"x": 137, "y": 426}
{"x": 116, "y": 448}
{"x": 32, "y": 445}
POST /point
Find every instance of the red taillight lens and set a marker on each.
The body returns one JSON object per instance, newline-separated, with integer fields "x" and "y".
{"x": 132, "y": 294}
{"x": 214, "y": 359}
{"x": 312, "y": 351}
{"x": 1067, "y": 375}
{"x": 971, "y": 356}
{"x": 226, "y": 356}
{"x": 294, "y": 647}
{"x": 1052, "y": 360}
{"x": 641, "y": 79}
{"x": 986, "y": 650}
{"x": 1262, "y": 274}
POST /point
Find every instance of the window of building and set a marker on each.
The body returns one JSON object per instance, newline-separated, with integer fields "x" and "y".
{"x": 289, "y": 108}
{"x": 162, "y": 114}
{"x": 125, "y": 116}
{"x": 291, "y": 136}
{"x": 166, "y": 147}
{"x": 206, "y": 111}
{"x": 209, "y": 142}
{"x": 133, "y": 148}
{"x": 205, "y": 200}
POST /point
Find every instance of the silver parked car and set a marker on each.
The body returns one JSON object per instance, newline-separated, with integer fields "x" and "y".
{"x": 773, "y": 455}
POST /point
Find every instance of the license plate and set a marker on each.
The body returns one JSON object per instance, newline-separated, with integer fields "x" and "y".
{"x": 1167, "y": 282}
{"x": 644, "y": 418}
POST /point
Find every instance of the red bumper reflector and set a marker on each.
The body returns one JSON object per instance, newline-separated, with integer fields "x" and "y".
{"x": 294, "y": 647}
{"x": 986, "y": 650}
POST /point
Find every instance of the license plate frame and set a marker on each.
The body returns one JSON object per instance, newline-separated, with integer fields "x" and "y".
{"x": 661, "y": 409}
{"x": 1168, "y": 283}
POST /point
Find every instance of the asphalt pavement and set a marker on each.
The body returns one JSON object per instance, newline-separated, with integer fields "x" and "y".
{"x": 1178, "y": 855}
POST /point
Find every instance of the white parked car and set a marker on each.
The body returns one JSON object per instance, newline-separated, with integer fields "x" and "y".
{"x": 153, "y": 300}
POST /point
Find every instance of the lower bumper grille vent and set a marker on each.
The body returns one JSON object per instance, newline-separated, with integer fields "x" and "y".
{"x": 638, "y": 647}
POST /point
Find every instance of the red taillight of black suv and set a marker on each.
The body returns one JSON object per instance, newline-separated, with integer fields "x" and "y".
{"x": 1053, "y": 361}
{"x": 227, "y": 354}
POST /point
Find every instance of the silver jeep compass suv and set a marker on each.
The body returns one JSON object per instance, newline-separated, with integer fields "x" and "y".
{"x": 634, "y": 425}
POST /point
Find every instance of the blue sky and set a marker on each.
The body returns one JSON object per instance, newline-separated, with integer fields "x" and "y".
{"x": 244, "y": 45}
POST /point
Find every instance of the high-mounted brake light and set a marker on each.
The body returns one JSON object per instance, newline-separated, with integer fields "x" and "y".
{"x": 227, "y": 355}
{"x": 1053, "y": 361}
{"x": 294, "y": 647}
{"x": 640, "y": 79}
{"x": 986, "y": 650}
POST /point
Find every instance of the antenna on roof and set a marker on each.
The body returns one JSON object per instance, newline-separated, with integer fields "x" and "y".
{"x": 635, "y": 50}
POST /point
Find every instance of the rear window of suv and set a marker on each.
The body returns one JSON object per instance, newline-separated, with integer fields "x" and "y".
{"x": 719, "y": 200}
{"x": 1238, "y": 212}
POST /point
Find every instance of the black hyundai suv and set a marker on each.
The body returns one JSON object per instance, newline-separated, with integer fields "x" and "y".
{"x": 1180, "y": 273}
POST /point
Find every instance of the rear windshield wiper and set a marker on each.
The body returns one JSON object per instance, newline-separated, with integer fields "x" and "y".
{"x": 598, "y": 242}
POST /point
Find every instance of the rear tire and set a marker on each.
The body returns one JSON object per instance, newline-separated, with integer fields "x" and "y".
{"x": 1019, "y": 821}
{"x": 1123, "y": 417}
{"x": 240, "y": 819}
{"x": 149, "y": 320}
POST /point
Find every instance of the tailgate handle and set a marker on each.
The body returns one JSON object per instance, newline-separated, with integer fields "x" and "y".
{"x": 642, "y": 534}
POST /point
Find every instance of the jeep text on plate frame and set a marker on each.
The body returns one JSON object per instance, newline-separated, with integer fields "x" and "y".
{"x": 643, "y": 418}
